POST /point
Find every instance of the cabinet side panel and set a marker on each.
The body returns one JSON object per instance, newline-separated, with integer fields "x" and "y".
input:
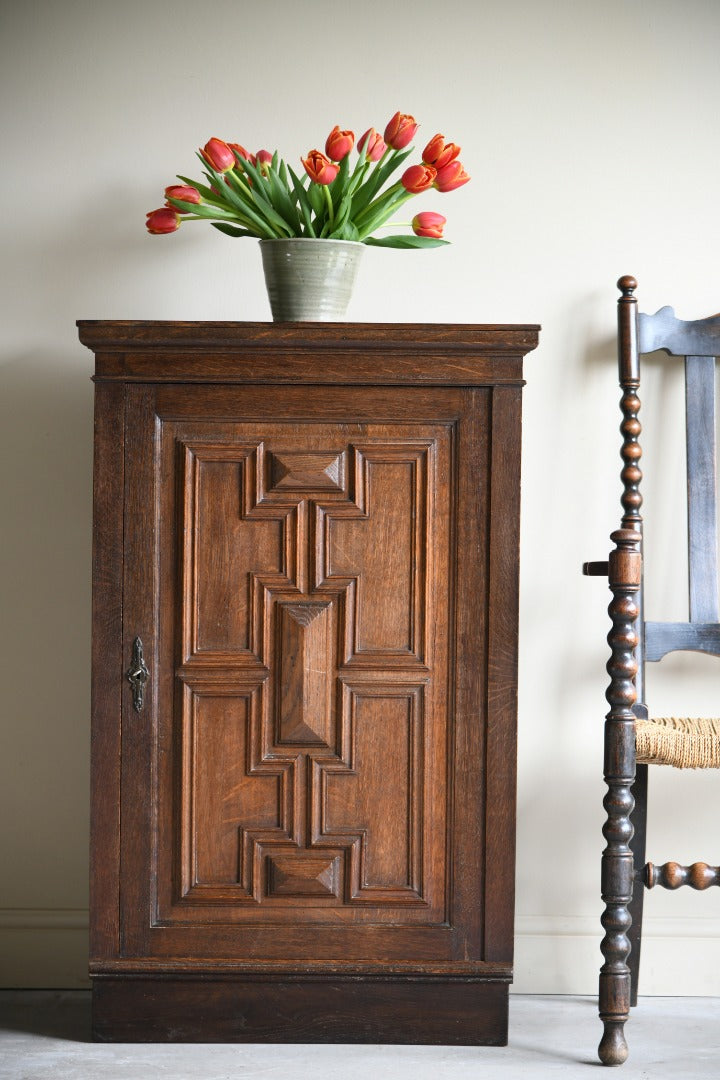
{"x": 106, "y": 667}
{"x": 501, "y": 737}
{"x": 470, "y": 589}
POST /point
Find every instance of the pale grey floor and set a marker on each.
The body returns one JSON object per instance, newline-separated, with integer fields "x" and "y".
{"x": 44, "y": 1035}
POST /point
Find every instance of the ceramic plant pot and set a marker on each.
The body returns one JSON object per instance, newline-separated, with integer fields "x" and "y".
{"x": 309, "y": 280}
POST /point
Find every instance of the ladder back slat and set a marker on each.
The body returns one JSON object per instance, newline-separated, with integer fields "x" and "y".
{"x": 702, "y": 478}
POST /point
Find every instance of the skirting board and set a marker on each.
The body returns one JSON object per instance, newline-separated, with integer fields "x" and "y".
{"x": 553, "y": 954}
{"x": 44, "y": 948}
{"x": 561, "y": 955}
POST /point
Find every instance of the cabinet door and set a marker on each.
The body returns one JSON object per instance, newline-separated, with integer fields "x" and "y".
{"x": 305, "y": 783}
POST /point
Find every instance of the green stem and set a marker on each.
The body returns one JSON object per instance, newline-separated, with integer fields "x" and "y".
{"x": 383, "y": 202}
{"x": 382, "y": 211}
{"x": 328, "y": 200}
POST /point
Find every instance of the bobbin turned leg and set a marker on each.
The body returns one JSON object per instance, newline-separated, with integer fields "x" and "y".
{"x": 617, "y": 860}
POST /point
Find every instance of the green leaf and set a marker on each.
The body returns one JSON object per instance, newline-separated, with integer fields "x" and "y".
{"x": 232, "y": 230}
{"x": 402, "y": 241}
{"x": 302, "y": 198}
{"x": 339, "y": 185}
{"x": 382, "y": 172}
{"x": 349, "y": 232}
{"x": 246, "y": 211}
{"x": 207, "y": 193}
{"x": 199, "y": 210}
{"x": 341, "y": 217}
{"x": 282, "y": 201}
{"x": 379, "y": 211}
{"x": 317, "y": 200}
{"x": 258, "y": 193}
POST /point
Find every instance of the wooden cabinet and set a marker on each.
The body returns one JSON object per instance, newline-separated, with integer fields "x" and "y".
{"x": 304, "y": 680}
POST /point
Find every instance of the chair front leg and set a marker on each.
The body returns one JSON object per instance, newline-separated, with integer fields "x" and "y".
{"x": 617, "y": 860}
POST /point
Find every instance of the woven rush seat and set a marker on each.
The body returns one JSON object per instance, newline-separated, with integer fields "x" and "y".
{"x": 683, "y": 742}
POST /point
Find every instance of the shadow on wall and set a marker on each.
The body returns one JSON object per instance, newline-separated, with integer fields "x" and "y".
{"x": 46, "y": 469}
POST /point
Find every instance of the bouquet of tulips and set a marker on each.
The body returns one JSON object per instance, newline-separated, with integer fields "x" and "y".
{"x": 260, "y": 195}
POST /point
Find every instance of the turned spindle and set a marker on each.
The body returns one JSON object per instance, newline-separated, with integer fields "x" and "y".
{"x": 672, "y": 875}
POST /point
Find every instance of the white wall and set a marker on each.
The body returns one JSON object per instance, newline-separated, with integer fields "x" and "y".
{"x": 590, "y": 130}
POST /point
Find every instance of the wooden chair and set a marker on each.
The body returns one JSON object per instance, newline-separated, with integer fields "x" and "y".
{"x": 632, "y": 739}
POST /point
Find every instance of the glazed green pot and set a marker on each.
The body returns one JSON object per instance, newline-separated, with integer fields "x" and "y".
{"x": 310, "y": 280}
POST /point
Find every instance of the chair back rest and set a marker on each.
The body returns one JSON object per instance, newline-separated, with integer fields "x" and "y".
{"x": 698, "y": 343}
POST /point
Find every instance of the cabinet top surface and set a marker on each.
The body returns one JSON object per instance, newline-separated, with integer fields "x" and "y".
{"x": 308, "y": 352}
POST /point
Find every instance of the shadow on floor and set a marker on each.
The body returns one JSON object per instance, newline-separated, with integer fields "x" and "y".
{"x": 54, "y": 1014}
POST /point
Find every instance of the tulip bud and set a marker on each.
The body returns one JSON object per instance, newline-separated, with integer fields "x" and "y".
{"x": 164, "y": 220}
{"x": 219, "y": 155}
{"x": 400, "y": 130}
{"x": 428, "y": 223}
{"x": 263, "y": 160}
{"x": 372, "y": 145}
{"x": 439, "y": 153}
{"x": 319, "y": 168}
{"x": 339, "y": 144}
{"x": 418, "y": 178}
{"x": 184, "y": 193}
{"x": 451, "y": 176}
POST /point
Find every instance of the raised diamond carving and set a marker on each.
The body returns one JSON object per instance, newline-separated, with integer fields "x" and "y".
{"x": 302, "y": 696}
{"x": 306, "y": 471}
{"x": 303, "y": 875}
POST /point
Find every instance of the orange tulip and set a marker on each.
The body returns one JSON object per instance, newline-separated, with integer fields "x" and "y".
{"x": 184, "y": 193}
{"x": 319, "y": 168}
{"x": 439, "y": 153}
{"x": 372, "y": 145}
{"x": 218, "y": 154}
{"x": 400, "y": 130}
{"x": 164, "y": 220}
{"x": 418, "y": 178}
{"x": 451, "y": 176}
{"x": 339, "y": 144}
{"x": 428, "y": 223}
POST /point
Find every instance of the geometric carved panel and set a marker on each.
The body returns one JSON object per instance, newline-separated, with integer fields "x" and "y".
{"x": 304, "y": 622}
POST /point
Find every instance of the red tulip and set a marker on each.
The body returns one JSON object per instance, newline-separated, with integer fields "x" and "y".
{"x": 218, "y": 154}
{"x": 319, "y": 168}
{"x": 418, "y": 178}
{"x": 263, "y": 160}
{"x": 400, "y": 130}
{"x": 451, "y": 176}
{"x": 339, "y": 144}
{"x": 184, "y": 193}
{"x": 439, "y": 153}
{"x": 372, "y": 145}
{"x": 164, "y": 220}
{"x": 428, "y": 223}
{"x": 242, "y": 152}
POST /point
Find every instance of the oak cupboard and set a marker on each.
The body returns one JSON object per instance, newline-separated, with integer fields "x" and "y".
{"x": 304, "y": 680}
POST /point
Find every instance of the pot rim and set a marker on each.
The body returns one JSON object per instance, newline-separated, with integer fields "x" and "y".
{"x": 309, "y": 240}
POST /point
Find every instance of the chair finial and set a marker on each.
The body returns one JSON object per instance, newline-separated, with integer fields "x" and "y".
{"x": 627, "y": 285}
